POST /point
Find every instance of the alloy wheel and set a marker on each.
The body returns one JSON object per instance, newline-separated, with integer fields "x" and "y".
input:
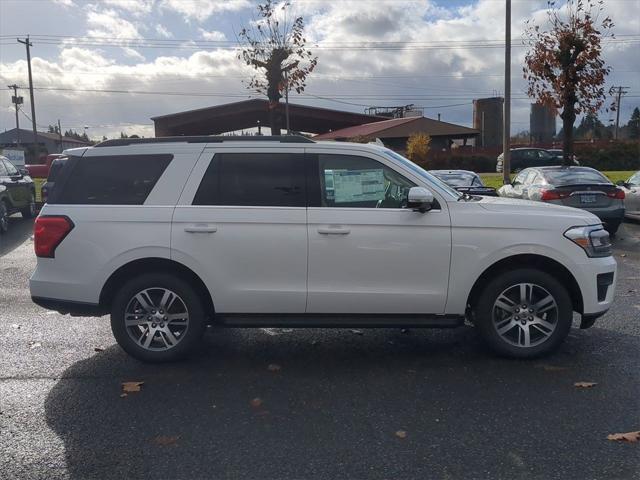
{"x": 525, "y": 315}
{"x": 156, "y": 319}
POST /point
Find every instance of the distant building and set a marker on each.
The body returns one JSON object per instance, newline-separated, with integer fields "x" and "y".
{"x": 489, "y": 121}
{"x": 542, "y": 123}
{"x": 394, "y": 133}
{"x": 50, "y": 141}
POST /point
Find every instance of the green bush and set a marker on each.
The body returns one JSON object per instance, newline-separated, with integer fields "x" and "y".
{"x": 615, "y": 156}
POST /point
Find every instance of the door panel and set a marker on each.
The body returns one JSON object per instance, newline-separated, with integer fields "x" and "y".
{"x": 253, "y": 258}
{"x": 368, "y": 254}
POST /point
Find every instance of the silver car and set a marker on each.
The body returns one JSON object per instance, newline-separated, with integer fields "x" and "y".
{"x": 579, "y": 187}
{"x": 631, "y": 190}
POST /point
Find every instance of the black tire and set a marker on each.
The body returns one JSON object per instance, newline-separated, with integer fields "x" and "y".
{"x": 484, "y": 314}
{"x": 30, "y": 211}
{"x": 612, "y": 228}
{"x": 4, "y": 217}
{"x": 188, "y": 340}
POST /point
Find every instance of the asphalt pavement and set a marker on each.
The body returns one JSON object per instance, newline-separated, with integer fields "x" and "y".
{"x": 315, "y": 403}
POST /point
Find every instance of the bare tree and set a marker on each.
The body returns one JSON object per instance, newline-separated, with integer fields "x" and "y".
{"x": 276, "y": 48}
{"x": 564, "y": 66}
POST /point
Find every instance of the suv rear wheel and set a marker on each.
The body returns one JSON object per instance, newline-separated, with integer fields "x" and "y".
{"x": 157, "y": 317}
{"x": 524, "y": 313}
{"x": 30, "y": 210}
{"x": 4, "y": 217}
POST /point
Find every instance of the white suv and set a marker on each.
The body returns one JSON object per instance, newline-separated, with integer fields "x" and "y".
{"x": 170, "y": 234}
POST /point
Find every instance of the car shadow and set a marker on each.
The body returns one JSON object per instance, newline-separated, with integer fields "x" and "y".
{"x": 316, "y": 403}
{"x": 20, "y": 229}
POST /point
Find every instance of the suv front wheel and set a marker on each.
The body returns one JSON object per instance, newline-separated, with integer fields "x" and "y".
{"x": 157, "y": 317}
{"x": 524, "y": 313}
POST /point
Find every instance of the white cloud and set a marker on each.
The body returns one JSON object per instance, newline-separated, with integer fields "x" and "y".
{"x": 109, "y": 23}
{"x": 136, "y": 7}
{"x": 201, "y": 10}
{"x": 65, "y": 3}
{"x": 163, "y": 31}
{"x": 213, "y": 35}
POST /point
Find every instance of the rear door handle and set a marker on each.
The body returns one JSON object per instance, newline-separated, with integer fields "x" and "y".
{"x": 201, "y": 229}
{"x": 334, "y": 231}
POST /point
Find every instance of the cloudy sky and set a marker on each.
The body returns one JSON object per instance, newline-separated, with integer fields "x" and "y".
{"x": 112, "y": 64}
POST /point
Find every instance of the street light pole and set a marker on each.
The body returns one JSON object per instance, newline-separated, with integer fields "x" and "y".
{"x": 506, "y": 131}
{"x": 286, "y": 99}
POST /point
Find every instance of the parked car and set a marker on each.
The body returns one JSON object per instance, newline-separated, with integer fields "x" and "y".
{"x": 559, "y": 153}
{"x": 56, "y": 166}
{"x": 168, "y": 235}
{"x": 18, "y": 194}
{"x": 631, "y": 189}
{"x": 580, "y": 187}
{"x": 522, "y": 158}
{"x": 464, "y": 181}
{"x": 39, "y": 172}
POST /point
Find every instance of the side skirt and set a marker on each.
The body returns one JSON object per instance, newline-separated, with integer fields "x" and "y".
{"x": 337, "y": 320}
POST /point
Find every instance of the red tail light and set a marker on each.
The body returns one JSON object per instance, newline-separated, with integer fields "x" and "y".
{"x": 553, "y": 195}
{"x": 617, "y": 194}
{"x": 48, "y": 233}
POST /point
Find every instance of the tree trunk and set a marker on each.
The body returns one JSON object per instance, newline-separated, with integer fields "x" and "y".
{"x": 568, "y": 119}
{"x": 274, "y": 119}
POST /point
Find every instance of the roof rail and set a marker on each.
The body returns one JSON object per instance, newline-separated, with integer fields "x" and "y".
{"x": 120, "y": 142}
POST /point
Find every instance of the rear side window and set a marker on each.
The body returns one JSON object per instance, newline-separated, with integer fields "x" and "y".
{"x": 110, "y": 180}
{"x": 254, "y": 179}
{"x": 56, "y": 166}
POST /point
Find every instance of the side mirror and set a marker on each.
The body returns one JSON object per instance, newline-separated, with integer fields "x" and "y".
{"x": 621, "y": 183}
{"x": 23, "y": 171}
{"x": 420, "y": 199}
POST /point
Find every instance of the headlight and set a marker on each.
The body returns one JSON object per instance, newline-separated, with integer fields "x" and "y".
{"x": 593, "y": 239}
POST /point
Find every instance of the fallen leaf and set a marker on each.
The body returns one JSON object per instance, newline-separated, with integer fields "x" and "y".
{"x": 623, "y": 254}
{"x": 129, "y": 387}
{"x": 274, "y": 367}
{"x": 122, "y": 395}
{"x": 15, "y": 325}
{"x": 553, "y": 368}
{"x": 357, "y": 332}
{"x": 404, "y": 330}
{"x": 401, "y": 434}
{"x": 98, "y": 349}
{"x": 165, "y": 440}
{"x": 314, "y": 342}
{"x": 256, "y": 402}
{"x": 631, "y": 437}
{"x": 584, "y": 384}
{"x": 34, "y": 344}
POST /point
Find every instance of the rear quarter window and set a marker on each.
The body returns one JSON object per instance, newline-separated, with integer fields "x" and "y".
{"x": 109, "y": 180}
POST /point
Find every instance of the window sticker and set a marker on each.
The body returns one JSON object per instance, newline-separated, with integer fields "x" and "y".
{"x": 351, "y": 186}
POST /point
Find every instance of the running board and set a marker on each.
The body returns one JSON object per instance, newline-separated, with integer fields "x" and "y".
{"x": 337, "y": 321}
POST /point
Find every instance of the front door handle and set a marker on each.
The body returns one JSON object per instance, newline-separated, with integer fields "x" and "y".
{"x": 201, "y": 229}
{"x": 334, "y": 231}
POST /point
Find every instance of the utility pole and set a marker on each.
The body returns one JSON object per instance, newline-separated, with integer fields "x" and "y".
{"x": 619, "y": 92}
{"x": 28, "y": 44}
{"x": 60, "y": 135}
{"x": 16, "y": 100}
{"x": 506, "y": 131}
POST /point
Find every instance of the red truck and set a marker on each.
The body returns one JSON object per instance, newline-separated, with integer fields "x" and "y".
{"x": 39, "y": 173}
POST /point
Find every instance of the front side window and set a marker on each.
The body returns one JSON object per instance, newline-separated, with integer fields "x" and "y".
{"x": 360, "y": 182}
{"x": 110, "y": 180}
{"x": 11, "y": 170}
{"x": 254, "y": 179}
{"x": 635, "y": 180}
{"x": 520, "y": 178}
{"x": 3, "y": 170}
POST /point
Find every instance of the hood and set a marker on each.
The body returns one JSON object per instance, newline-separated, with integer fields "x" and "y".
{"x": 528, "y": 207}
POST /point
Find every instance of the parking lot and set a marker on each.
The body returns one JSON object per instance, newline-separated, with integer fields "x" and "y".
{"x": 316, "y": 403}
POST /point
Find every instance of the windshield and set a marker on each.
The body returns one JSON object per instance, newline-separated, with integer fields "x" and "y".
{"x": 421, "y": 172}
{"x": 574, "y": 176}
{"x": 457, "y": 179}
{"x": 634, "y": 180}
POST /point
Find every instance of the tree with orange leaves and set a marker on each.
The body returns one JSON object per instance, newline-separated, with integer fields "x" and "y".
{"x": 564, "y": 66}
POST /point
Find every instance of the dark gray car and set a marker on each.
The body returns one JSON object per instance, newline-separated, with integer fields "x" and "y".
{"x": 579, "y": 187}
